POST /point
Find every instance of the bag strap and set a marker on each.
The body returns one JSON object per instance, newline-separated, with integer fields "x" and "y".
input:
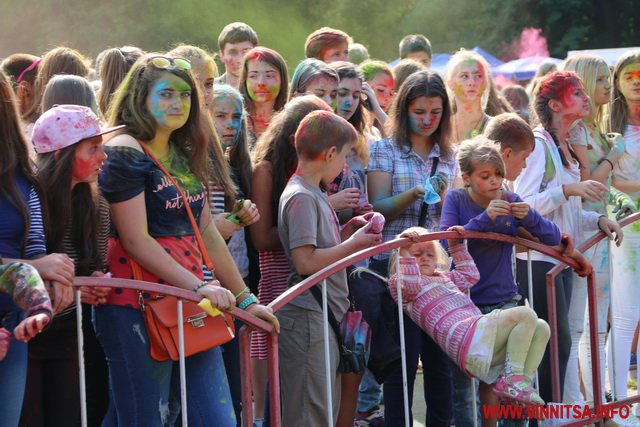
{"x": 424, "y": 208}
{"x": 196, "y": 231}
{"x": 333, "y": 322}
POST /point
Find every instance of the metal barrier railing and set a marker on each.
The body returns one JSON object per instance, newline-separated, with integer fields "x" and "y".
{"x": 592, "y": 308}
{"x": 321, "y": 276}
{"x": 181, "y": 294}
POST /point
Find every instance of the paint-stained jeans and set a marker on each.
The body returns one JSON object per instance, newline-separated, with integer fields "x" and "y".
{"x": 142, "y": 387}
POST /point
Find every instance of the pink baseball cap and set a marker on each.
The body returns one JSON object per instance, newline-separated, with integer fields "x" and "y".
{"x": 65, "y": 125}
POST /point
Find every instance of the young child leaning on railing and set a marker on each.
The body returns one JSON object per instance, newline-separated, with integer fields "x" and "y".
{"x": 503, "y": 347}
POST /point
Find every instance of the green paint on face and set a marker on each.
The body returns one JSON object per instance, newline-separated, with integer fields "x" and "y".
{"x": 169, "y": 101}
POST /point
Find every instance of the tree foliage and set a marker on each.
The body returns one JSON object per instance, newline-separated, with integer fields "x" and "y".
{"x": 35, "y": 26}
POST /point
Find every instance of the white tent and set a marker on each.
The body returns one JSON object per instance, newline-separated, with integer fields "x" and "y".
{"x": 609, "y": 55}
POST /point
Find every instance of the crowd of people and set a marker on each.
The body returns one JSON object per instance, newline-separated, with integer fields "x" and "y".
{"x": 146, "y": 165}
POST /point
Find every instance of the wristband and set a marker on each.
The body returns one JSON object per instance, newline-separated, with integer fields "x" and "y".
{"x": 608, "y": 161}
{"x": 200, "y": 285}
{"x": 245, "y": 290}
{"x": 251, "y": 299}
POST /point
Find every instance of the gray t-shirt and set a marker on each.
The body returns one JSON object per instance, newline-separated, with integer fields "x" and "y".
{"x": 305, "y": 217}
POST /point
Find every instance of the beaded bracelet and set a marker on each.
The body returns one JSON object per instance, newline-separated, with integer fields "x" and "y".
{"x": 200, "y": 285}
{"x": 245, "y": 290}
{"x": 251, "y": 299}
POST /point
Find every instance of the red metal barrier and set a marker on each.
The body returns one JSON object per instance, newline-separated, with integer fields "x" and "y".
{"x": 313, "y": 280}
{"x": 593, "y": 329}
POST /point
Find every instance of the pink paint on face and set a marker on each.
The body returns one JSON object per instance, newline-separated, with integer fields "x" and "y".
{"x": 349, "y": 90}
{"x": 469, "y": 81}
{"x": 339, "y": 52}
{"x": 382, "y": 85}
{"x": 88, "y": 160}
{"x": 575, "y": 102}
{"x": 263, "y": 81}
{"x": 232, "y": 56}
{"x": 425, "y": 114}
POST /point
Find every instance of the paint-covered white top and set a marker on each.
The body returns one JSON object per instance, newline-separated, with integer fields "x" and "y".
{"x": 566, "y": 213}
{"x": 628, "y": 167}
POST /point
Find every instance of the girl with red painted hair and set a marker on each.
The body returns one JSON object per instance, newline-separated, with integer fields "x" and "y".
{"x": 552, "y": 187}
{"x": 264, "y": 85}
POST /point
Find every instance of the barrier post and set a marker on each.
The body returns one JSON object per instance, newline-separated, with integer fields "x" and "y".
{"x": 245, "y": 371}
{"x": 183, "y": 375}
{"x": 403, "y": 350}
{"x": 82, "y": 374}
{"x": 327, "y": 358}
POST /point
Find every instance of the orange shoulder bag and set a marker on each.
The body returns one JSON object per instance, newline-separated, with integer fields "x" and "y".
{"x": 201, "y": 331}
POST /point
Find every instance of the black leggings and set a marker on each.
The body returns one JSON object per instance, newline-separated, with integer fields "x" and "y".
{"x": 564, "y": 284}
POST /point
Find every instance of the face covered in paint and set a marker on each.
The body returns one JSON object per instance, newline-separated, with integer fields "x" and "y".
{"x": 169, "y": 101}
{"x": 468, "y": 81}
{"x": 325, "y": 88}
{"x": 575, "y": 102}
{"x": 88, "y": 159}
{"x": 263, "y": 81}
{"x": 629, "y": 82}
{"x": 348, "y": 98}
{"x": 382, "y": 85}
{"x": 425, "y": 114}
{"x": 227, "y": 119}
{"x": 205, "y": 75}
{"x": 232, "y": 55}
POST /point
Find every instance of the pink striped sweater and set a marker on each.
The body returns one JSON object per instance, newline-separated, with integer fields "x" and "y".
{"x": 439, "y": 304}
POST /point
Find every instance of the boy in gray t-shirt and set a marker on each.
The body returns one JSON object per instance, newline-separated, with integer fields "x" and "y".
{"x": 312, "y": 239}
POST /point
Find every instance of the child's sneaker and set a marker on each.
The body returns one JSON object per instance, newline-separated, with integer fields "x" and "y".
{"x": 372, "y": 418}
{"x": 517, "y": 388}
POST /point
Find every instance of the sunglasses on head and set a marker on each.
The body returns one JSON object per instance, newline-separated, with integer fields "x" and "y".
{"x": 164, "y": 62}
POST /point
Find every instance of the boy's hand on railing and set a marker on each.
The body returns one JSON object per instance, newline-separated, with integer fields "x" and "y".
{"x": 498, "y": 208}
{"x": 265, "y": 313}
{"x": 609, "y": 228}
{"x": 585, "y": 266}
{"x": 566, "y": 243}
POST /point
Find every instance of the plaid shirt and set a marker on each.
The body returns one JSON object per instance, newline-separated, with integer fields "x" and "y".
{"x": 408, "y": 169}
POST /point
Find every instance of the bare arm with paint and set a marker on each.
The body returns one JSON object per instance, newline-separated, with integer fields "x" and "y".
{"x": 379, "y": 185}
{"x": 264, "y": 235}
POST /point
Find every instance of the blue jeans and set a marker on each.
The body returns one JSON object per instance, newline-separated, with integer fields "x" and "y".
{"x": 144, "y": 390}
{"x": 13, "y": 372}
{"x": 369, "y": 393}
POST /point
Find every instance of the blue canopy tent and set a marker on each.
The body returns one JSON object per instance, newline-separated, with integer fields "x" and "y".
{"x": 523, "y": 68}
{"x": 439, "y": 61}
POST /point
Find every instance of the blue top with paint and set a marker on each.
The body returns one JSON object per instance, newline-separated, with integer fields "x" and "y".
{"x": 128, "y": 172}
